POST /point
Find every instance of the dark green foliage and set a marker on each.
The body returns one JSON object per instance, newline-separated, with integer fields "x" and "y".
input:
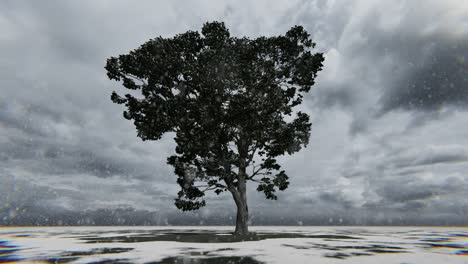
{"x": 227, "y": 99}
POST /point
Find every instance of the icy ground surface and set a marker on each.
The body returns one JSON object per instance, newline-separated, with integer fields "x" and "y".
{"x": 185, "y": 245}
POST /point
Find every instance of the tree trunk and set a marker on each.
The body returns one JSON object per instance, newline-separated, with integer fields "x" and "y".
{"x": 239, "y": 192}
{"x": 242, "y": 214}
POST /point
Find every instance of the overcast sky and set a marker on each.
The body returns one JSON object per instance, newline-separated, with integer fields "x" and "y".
{"x": 389, "y": 141}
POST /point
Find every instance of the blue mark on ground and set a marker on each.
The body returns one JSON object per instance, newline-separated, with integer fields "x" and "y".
{"x": 7, "y": 252}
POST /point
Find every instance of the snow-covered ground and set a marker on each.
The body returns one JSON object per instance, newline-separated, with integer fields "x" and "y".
{"x": 272, "y": 244}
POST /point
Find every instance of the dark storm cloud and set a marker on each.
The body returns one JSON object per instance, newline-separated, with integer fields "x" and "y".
{"x": 421, "y": 118}
{"x": 34, "y": 140}
{"x": 416, "y": 196}
{"x": 404, "y": 191}
{"x": 383, "y": 57}
{"x": 339, "y": 96}
{"x": 434, "y": 80}
{"x": 71, "y": 35}
{"x": 409, "y": 172}
{"x": 51, "y": 158}
{"x": 335, "y": 198}
{"x": 18, "y": 119}
{"x": 426, "y": 156}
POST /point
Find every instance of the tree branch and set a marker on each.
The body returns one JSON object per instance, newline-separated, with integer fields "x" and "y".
{"x": 255, "y": 180}
{"x": 254, "y": 150}
{"x": 209, "y": 188}
{"x": 257, "y": 172}
{"x": 136, "y": 78}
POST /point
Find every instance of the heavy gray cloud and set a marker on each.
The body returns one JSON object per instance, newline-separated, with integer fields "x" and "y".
{"x": 389, "y": 109}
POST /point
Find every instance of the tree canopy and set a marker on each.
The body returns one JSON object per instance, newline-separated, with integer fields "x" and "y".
{"x": 229, "y": 101}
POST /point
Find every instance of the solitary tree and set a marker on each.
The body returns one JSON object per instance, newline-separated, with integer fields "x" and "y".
{"x": 230, "y": 103}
